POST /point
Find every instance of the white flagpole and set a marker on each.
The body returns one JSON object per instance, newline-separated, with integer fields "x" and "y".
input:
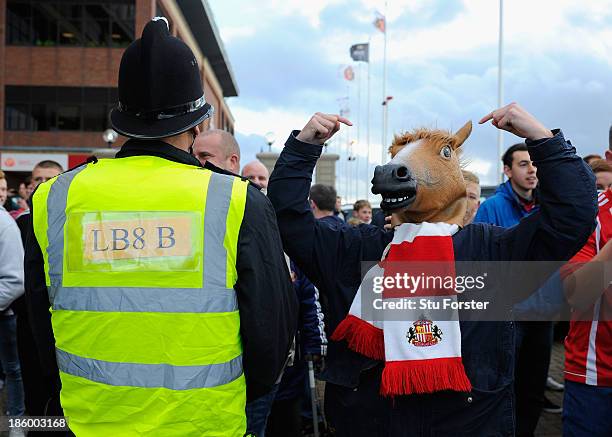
{"x": 358, "y": 143}
{"x": 500, "y": 90}
{"x": 384, "y": 91}
{"x": 347, "y": 174}
{"x": 356, "y": 177}
{"x": 368, "y": 127}
{"x": 358, "y": 103}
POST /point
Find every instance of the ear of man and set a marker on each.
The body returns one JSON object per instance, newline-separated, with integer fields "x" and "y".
{"x": 507, "y": 171}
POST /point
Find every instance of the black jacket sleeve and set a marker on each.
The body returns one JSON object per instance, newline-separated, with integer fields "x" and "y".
{"x": 322, "y": 251}
{"x": 37, "y": 305}
{"x": 266, "y": 300}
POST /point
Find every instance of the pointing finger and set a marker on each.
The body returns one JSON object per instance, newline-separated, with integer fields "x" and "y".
{"x": 337, "y": 118}
{"x": 345, "y": 121}
{"x": 486, "y": 118}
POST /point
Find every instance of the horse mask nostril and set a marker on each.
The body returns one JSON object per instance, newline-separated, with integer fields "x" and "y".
{"x": 402, "y": 173}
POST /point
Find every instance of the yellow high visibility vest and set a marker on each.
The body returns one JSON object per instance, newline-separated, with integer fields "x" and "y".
{"x": 140, "y": 264}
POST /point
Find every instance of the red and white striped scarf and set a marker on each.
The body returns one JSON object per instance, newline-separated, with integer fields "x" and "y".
{"x": 421, "y": 355}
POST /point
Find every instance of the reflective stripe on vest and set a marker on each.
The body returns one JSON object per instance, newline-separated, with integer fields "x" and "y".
{"x": 150, "y": 375}
{"x": 56, "y": 218}
{"x": 155, "y": 300}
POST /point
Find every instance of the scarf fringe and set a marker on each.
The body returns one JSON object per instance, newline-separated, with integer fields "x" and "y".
{"x": 424, "y": 376}
{"x": 362, "y": 337}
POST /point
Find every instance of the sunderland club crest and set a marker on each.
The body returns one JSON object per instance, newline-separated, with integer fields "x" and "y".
{"x": 424, "y": 333}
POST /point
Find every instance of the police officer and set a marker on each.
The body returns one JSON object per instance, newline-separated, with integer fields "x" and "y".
{"x": 170, "y": 298}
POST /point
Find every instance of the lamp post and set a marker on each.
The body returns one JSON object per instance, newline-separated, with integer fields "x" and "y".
{"x": 270, "y": 139}
{"x": 110, "y": 136}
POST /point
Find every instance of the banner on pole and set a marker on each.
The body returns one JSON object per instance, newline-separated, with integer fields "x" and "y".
{"x": 380, "y": 22}
{"x": 360, "y": 52}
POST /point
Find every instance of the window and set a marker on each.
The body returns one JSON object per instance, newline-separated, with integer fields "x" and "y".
{"x": 19, "y": 22}
{"x": 43, "y": 117}
{"x": 94, "y": 117}
{"x": 17, "y": 117}
{"x": 90, "y": 23}
{"x": 68, "y": 117}
{"x": 44, "y": 30}
{"x": 39, "y": 108}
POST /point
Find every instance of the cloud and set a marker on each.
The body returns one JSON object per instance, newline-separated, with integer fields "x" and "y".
{"x": 271, "y": 119}
{"x": 266, "y": 11}
{"x": 442, "y": 69}
{"x": 482, "y": 168}
{"x": 229, "y": 34}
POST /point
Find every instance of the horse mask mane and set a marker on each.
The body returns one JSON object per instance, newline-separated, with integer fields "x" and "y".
{"x": 423, "y": 180}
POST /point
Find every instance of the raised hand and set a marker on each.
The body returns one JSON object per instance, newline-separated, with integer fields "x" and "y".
{"x": 514, "y": 119}
{"x": 321, "y": 127}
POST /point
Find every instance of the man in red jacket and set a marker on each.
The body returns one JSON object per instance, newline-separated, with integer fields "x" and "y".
{"x": 587, "y": 405}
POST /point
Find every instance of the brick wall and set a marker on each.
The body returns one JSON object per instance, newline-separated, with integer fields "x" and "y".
{"x": 62, "y": 66}
{"x": 57, "y": 138}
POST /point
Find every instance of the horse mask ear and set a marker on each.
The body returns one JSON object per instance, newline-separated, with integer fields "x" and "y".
{"x": 462, "y": 134}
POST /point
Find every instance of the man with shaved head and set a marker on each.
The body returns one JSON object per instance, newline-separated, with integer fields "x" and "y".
{"x": 220, "y": 148}
{"x": 257, "y": 173}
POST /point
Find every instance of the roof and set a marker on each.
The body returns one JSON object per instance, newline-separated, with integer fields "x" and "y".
{"x": 200, "y": 19}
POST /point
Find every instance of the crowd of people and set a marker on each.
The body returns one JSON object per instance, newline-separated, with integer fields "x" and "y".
{"x": 218, "y": 326}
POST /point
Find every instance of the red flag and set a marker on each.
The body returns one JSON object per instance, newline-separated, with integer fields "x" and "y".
{"x": 349, "y": 73}
{"x": 380, "y": 22}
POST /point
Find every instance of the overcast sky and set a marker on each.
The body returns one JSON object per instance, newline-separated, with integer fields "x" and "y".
{"x": 288, "y": 55}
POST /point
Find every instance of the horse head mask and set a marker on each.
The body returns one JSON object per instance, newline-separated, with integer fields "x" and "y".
{"x": 423, "y": 180}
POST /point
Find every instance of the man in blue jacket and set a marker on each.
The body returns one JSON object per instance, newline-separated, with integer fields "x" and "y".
{"x": 331, "y": 258}
{"x": 514, "y": 199}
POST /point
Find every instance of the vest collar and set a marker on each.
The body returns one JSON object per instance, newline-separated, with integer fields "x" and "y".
{"x": 157, "y": 148}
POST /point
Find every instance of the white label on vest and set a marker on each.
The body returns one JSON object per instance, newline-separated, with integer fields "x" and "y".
{"x": 137, "y": 238}
{"x": 134, "y": 241}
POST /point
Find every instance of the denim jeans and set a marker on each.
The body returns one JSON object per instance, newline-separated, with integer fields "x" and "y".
{"x": 10, "y": 365}
{"x": 257, "y": 412}
{"x": 587, "y": 410}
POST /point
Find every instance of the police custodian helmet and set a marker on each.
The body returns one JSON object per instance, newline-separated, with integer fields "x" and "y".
{"x": 160, "y": 88}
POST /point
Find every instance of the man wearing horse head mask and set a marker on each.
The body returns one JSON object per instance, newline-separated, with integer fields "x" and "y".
{"x": 415, "y": 375}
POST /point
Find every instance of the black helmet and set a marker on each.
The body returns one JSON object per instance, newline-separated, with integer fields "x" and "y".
{"x": 160, "y": 88}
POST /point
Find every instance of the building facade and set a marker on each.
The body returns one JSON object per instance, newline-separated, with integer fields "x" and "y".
{"x": 60, "y": 61}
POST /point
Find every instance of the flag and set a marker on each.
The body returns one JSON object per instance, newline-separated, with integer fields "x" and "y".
{"x": 360, "y": 52}
{"x": 349, "y": 74}
{"x": 380, "y": 22}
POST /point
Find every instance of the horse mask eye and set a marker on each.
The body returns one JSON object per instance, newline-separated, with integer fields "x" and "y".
{"x": 446, "y": 152}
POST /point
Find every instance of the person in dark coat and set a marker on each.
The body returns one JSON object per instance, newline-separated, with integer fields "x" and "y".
{"x": 331, "y": 257}
{"x": 285, "y": 418}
